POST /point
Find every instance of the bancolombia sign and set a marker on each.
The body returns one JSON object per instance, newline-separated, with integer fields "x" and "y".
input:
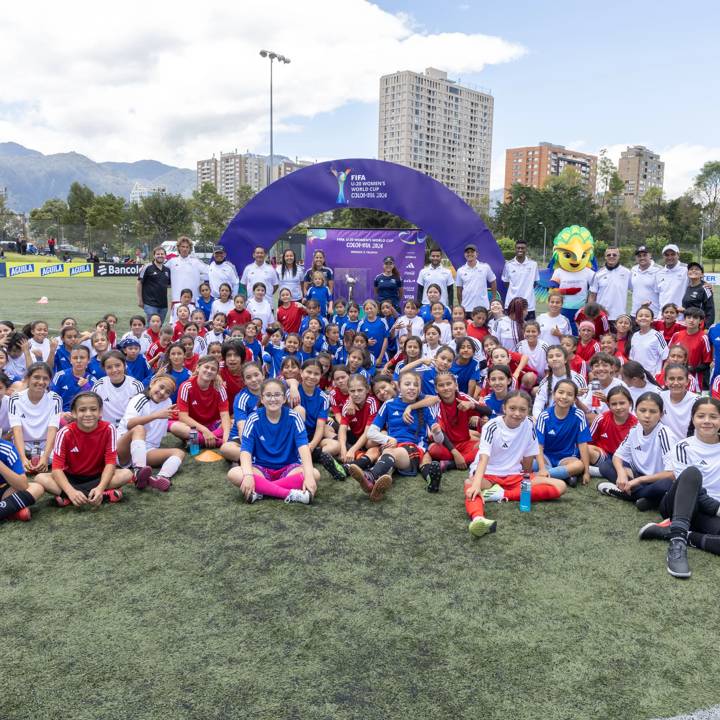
{"x": 117, "y": 270}
{"x": 74, "y": 269}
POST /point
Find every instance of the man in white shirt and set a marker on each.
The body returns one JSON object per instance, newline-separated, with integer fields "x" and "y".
{"x": 185, "y": 271}
{"x": 609, "y": 286}
{"x": 672, "y": 278}
{"x": 643, "y": 282}
{"x": 435, "y": 274}
{"x": 221, "y": 271}
{"x": 521, "y": 274}
{"x": 259, "y": 271}
{"x": 472, "y": 282}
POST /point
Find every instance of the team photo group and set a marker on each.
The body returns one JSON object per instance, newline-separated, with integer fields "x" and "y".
{"x": 267, "y": 371}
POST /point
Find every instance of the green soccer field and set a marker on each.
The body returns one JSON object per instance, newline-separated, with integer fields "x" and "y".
{"x": 192, "y": 604}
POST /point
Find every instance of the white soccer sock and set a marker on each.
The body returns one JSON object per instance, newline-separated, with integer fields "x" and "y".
{"x": 138, "y": 453}
{"x": 438, "y": 436}
{"x": 170, "y": 466}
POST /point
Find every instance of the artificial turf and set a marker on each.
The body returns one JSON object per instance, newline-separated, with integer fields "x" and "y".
{"x": 192, "y": 604}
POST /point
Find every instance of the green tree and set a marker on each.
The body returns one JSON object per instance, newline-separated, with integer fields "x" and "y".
{"x": 507, "y": 247}
{"x": 243, "y": 195}
{"x": 707, "y": 190}
{"x": 605, "y": 170}
{"x": 103, "y": 220}
{"x": 161, "y": 216}
{"x": 367, "y": 218}
{"x": 11, "y": 223}
{"x": 79, "y": 199}
{"x": 711, "y": 249}
{"x": 615, "y": 191}
{"x": 211, "y": 212}
{"x": 46, "y": 220}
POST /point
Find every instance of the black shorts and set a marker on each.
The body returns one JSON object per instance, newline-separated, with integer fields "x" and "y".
{"x": 83, "y": 483}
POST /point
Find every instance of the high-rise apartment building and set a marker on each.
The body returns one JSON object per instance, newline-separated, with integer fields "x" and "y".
{"x": 534, "y": 165}
{"x": 140, "y": 191}
{"x": 640, "y": 169}
{"x": 438, "y": 127}
{"x": 235, "y": 169}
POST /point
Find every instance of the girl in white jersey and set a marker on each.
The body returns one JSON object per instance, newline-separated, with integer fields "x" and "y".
{"x": 558, "y": 368}
{"x": 678, "y": 399}
{"x": 141, "y": 430}
{"x": 553, "y": 324}
{"x": 116, "y": 389}
{"x": 691, "y": 508}
{"x": 34, "y": 415}
{"x": 508, "y": 448}
{"x": 641, "y": 468}
{"x": 648, "y": 345}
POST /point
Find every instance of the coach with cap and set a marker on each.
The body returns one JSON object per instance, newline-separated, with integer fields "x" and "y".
{"x": 259, "y": 271}
{"x": 472, "y": 280}
{"x": 610, "y": 285}
{"x": 220, "y": 271}
{"x": 435, "y": 274}
{"x": 643, "y": 282}
{"x": 672, "y": 278}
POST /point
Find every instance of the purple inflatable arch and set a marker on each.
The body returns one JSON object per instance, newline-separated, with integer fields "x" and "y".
{"x": 360, "y": 183}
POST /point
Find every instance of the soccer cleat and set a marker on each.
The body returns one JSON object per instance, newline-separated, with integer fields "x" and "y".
{"x": 611, "y": 489}
{"x": 336, "y": 470}
{"x": 480, "y": 526}
{"x": 434, "y": 477}
{"x": 112, "y": 496}
{"x": 644, "y": 504}
{"x": 655, "y": 531}
{"x": 299, "y": 496}
{"x": 365, "y": 479}
{"x": 159, "y": 482}
{"x": 381, "y": 486}
{"x": 571, "y": 481}
{"x": 61, "y": 501}
{"x": 23, "y": 515}
{"x": 677, "y": 562}
{"x": 254, "y": 497}
{"x": 142, "y": 477}
{"x": 495, "y": 493}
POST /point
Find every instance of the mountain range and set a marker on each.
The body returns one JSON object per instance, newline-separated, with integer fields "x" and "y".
{"x": 31, "y": 178}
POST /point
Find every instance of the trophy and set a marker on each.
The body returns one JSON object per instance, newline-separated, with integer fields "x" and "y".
{"x": 351, "y": 281}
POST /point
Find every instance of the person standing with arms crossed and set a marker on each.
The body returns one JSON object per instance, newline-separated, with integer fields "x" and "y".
{"x": 472, "y": 280}
{"x": 152, "y": 286}
{"x": 610, "y": 285}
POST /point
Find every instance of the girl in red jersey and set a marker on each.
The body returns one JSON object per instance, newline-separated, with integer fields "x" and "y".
{"x": 669, "y": 324}
{"x": 522, "y": 373}
{"x": 587, "y": 344}
{"x": 157, "y": 350}
{"x": 183, "y": 318}
{"x": 338, "y": 392}
{"x": 577, "y": 364}
{"x": 477, "y": 325}
{"x": 499, "y": 383}
{"x": 289, "y": 312}
{"x": 356, "y": 415}
{"x": 452, "y": 443}
{"x": 234, "y": 354}
{"x": 84, "y": 462}
{"x": 595, "y": 314}
{"x": 187, "y": 343}
{"x": 624, "y": 328}
{"x": 153, "y": 328}
{"x": 677, "y": 355}
{"x": 508, "y": 447}
{"x": 611, "y": 427}
{"x": 609, "y": 345}
{"x": 203, "y": 406}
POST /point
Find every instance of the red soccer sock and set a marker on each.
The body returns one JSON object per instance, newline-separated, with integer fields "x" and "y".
{"x": 474, "y": 507}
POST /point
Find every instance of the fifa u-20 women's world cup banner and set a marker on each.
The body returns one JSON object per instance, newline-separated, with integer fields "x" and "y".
{"x": 356, "y": 257}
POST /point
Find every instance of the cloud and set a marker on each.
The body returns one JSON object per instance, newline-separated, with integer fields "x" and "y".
{"x": 129, "y": 81}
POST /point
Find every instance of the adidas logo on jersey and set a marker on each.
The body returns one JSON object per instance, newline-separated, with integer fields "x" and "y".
{"x": 603, "y": 435}
{"x": 262, "y": 438}
{"x": 505, "y": 445}
{"x": 552, "y": 432}
{"x": 75, "y": 449}
{"x": 638, "y": 447}
{"x": 397, "y": 412}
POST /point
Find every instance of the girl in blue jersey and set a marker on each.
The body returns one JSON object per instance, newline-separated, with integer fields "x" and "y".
{"x": 353, "y": 318}
{"x": 205, "y": 300}
{"x": 69, "y": 338}
{"x": 500, "y": 382}
{"x": 68, "y": 383}
{"x": 174, "y": 366}
{"x": 275, "y": 458}
{"x": 307, "y": 348}
{"x": 434, "y": 295}
{"x": 274, "y": 350}
{"x": 246, "y": 401}
{"x": 359, "y": 361}
{"x": 17, "y": 494}
{"x": 465, "y": 367}
{"x": 375, "y": 330}
{"x": 389, "y": 314}
{"x": 563, "y": 436}
{"x": 403, "y": 443}
{"x": 428, "y": 368}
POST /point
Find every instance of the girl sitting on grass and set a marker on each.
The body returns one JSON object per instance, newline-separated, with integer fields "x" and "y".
{"x": 508, "y": 448}
{"x": 140, "y": 433}
{"x": 17, "y": 494}
{"x": 275, "y": 457}
{"x": 84, "y": 461}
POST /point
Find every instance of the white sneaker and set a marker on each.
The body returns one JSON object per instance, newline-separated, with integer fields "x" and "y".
{"x": 299, "y": 496}
{"x": 495, "y": 493}
{"x": 595, "y": 471}
{"x": 611, "y": 489}
{"x": 254, "y": 498}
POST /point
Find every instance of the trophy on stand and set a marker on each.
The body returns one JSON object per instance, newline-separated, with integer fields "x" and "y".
{"x": 351, "y": 284}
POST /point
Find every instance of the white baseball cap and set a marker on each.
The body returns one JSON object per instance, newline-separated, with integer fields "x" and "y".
{"x": 672, "y": 247}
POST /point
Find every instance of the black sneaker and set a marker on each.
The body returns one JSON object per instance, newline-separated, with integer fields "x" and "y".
{"x": 611, "y": 489}
{"x": 572, "y": 481}
{"x": 677, "y": 562}
{"x": 336, "y": 470}
{"x": 655, "y": 531}
{"x": 434, "y": 477}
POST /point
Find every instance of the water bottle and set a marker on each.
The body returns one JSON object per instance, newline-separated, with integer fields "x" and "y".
{"x": 35, "y": 453}
{"x": 594, "y": 387}
{"x": 525, "y": 493}
{"x": 194, "y": 445}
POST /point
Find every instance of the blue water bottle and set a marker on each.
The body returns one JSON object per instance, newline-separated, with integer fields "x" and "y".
{"x": 525, "y": 493}
{"x": 193, "y": 444}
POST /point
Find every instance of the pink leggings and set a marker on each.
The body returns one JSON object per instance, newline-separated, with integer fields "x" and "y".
{"x": 278, "y": 482}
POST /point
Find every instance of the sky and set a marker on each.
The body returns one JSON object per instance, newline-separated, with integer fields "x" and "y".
{"x": 131, "y": 80}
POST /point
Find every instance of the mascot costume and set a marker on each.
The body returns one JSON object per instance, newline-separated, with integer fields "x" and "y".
{"x": 571, "y": 270}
